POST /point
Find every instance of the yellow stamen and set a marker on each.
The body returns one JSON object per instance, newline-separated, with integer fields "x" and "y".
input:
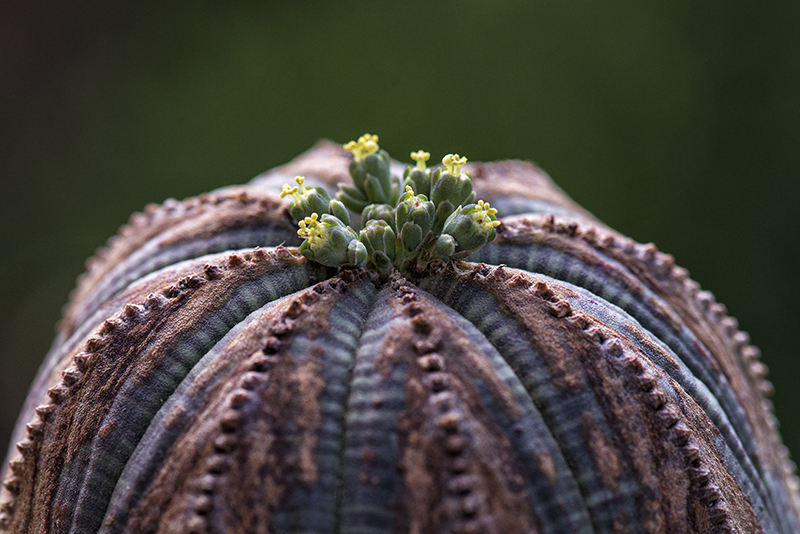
{"x": 420, "y": 157}
{"x": 310, "y": 228}
{"x": 484, "y": 215}
{"x": 367, "y": 138}
{"x": 454, "y": 163}
{"x": 288, "y": 190}
{"x": 297, "y": 191}
{"x": 484, "y": 206}
{"x": 367, "y": 144}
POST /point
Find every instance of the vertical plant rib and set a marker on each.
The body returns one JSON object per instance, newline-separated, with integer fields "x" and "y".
{"x": 562, "y": 357}
{"x": 684, "y": 364}
{"x": 730, "y": 447}
{"x": 264, "y": 443}
{"x": 311, "y": 504}
{"x": 476, "y": 455}
{"x": 660, "y": 296}
{"x": 370, "y": 450}
{"x": 181, "y": 410}
{"x": 127, "y": 372}
{"x": 61, "y": 354}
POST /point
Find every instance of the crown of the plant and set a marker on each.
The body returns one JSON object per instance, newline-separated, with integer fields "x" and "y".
{"x": 435, "y": 217}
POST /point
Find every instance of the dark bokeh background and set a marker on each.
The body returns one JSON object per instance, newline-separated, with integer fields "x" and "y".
{"x": 674, "y": 122}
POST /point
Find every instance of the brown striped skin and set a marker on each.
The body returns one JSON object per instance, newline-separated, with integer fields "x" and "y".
{"x": 198, "y": 218}
{"x": 728, "y": 348}
{"x": 243, "y": 431}
{"x": 458, "y": 471}
{"x": 642, "y": 417}
{"x": 508, "y": 179}
{"x": 246, "y": 389}
{"x": 89, "y": 385}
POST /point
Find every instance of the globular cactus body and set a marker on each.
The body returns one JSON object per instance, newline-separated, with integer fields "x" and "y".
{"x": 562, "y": 379}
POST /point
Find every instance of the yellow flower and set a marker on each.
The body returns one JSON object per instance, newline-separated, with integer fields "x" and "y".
{"x": 367, "y": 144}
{"x": 295, "y": 192}
{"x": 420, "y": 157}
{"x": 485, "y": 215}
{"x": 453, "y": 162}
{"x": 310, "y": 229}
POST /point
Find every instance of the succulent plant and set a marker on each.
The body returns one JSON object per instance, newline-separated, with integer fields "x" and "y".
{"x": 401, "y": 360}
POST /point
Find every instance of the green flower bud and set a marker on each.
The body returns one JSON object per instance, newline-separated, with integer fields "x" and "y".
{"x": 416, "y": 209}
{"x": 371, "y": 171}
{"x": 353, "y": 198}
{"x": 338, "y": 210}
{"x": 410, "y": 239}
{"x": 445, "y": 247}
{"x": 472, "y": 226}
{"x": 356, "y": 253}
{"x": 329, "y": 241}
{"x": 379, "y": 212}
{"x": 380, "y": 242}
{"x": 305, "y": 200}
{"x": 419, "y": 177}
{"x": 443, "y": 210}
{"x": 451, "y": 184}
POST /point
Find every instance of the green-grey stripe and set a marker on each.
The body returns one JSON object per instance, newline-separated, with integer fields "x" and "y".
{"x": 153, "y": 255}
{"x": 731, "y": 420}
{"x": 363, "y": 503}
{"x": 311, "y": 508}
{"x": 483, "y": 310}
{"x": 148, "y": 395}
{"x": 151, "y": 450}
{"x": 558, "y": 505}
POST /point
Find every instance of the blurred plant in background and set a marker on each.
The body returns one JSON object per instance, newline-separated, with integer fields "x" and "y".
{"x": 676, "y": 123}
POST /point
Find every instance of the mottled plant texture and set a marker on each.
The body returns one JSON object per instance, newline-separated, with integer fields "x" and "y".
{"x": 397, "y": 356}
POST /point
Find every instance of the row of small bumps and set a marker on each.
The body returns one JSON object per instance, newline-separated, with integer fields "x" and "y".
{"x": 130, "y": 315}
{"x": 663, "y": 266}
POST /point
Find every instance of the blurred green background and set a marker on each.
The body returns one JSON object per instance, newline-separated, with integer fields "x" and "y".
{"x": 674, "y": 122}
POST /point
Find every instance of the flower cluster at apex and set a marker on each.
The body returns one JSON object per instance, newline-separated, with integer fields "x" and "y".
{"x": 366, "y": 145}
{"x": 404, "y": 223}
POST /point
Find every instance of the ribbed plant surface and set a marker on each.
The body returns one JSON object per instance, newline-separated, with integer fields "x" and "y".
{"x": 563, "y": 379}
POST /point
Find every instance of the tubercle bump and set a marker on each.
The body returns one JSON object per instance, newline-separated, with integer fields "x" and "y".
{"x": 129, "y": 316}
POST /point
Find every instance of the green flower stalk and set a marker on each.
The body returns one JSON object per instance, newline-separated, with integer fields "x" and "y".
{"x": 450, "y": 184}
{"x": 330, "y": 242}
{"x": 419, "y": 177}
{"x": 306, "y": 200}
{"x": 436, "y": 218}
{"x": 380, "y": 242}
{"x": 338, "y": 210}
{"x": 371, "y": 172}
{"x": 472, "y": 227}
